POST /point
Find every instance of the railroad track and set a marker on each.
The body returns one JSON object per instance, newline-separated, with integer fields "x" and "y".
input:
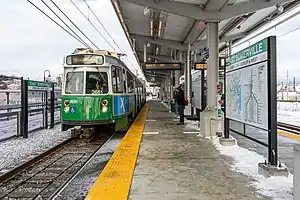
{"x": 47, "y": 176}
{"x": 289, "y": 128}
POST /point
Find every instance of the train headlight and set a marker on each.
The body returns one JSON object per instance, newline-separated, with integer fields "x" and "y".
{"x": 67, "y": 103}
{"x": 104, "y": 102}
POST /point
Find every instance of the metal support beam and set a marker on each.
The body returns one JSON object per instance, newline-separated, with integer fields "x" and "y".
{"x": 145, "y": 53}
{"x": 241, "y": 9}
{"x": 171, "y": 85}
{"x": 185, "y": 77}
{"x": 213, "y": 64}
{"x": 178, "y": 45}
{"x": 202, "y": 43}
{"x": 177, "y": 72}
{"x": 215, "y": 5}
{"x": 188, "y": 76}
{"x": 158, "y": 57}
{"x": 230, "y": 48}
{"x": 195, "y": 12}
{"x": 163, "y": 42}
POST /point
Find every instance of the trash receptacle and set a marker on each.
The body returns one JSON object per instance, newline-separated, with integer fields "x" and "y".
{"x": 173, "y": 109}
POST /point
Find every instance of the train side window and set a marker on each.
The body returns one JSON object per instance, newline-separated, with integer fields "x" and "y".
{"x": 117, "y": 79}
{"x": 124, "y": 81}
{"x": 130, "y": 83}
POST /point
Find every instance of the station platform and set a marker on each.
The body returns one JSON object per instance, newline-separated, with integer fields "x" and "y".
{"x": 158, "y": 159}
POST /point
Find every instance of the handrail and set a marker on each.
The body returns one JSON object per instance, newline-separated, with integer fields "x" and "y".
{"x": 18, "y": 106}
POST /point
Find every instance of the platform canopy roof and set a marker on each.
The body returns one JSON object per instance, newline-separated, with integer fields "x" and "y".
{"x": 168, "y": 26}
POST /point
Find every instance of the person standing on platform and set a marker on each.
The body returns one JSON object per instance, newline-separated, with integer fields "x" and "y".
{"x": 180, "y": 100}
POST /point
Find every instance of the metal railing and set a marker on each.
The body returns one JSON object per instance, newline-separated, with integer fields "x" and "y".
{"x": 18, "y": 106}
{"x": 11, "y": 121}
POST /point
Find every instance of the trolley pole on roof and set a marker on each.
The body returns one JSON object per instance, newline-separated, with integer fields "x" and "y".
{"x": 121, "y": 54}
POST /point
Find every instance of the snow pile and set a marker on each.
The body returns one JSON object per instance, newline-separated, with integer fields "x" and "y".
{"x": 16, "y": 151}
{"x": 192, "y": 124}
{"x": 149, "y": 98}
{"x": 166, "y": 105}
{"x": 246, "y": 162}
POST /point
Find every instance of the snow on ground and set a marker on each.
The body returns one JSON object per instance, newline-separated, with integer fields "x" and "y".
{"x": 246, "y": 162}
{"x": 15, "y": 151}
{"x": 288, "y": 112}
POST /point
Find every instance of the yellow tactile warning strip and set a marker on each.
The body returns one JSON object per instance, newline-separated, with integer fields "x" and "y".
{"x": 115, "y": 180}
{"x": 288, "y": 135}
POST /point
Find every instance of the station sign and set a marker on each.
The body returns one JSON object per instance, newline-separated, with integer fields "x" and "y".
{"x": 206, "y": 53}
{"x": 163, "y": 66}
{"x": 200, "y": 66}
{"x": 154, "y": 85}
{"x": 39, "y": 85}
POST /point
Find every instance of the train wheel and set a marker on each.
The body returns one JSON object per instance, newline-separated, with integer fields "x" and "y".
{"x": 130, "y": 119}
{"x": 64, "y": 127}
{"x": 111, "y": 129}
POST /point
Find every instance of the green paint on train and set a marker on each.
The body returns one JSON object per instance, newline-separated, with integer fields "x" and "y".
{"x": 84, "y": 108}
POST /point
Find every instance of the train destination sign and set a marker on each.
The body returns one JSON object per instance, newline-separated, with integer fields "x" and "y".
{"x": 38, "y": 85}
{"x": 199, "y": 66}
{"x": 163, "y": 66}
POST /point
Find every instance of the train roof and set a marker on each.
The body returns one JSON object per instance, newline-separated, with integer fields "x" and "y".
{"x": 113, "y": 57}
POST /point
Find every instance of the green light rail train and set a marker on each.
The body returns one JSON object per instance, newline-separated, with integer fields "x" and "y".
{"x": 99, "y": 91}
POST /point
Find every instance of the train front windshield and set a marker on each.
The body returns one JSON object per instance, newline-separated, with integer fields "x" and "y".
{"x": 74, "y": 83}
{"x": 96, "y": 83}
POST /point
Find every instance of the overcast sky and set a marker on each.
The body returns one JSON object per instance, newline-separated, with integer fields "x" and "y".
{"x": 31, "y": 43}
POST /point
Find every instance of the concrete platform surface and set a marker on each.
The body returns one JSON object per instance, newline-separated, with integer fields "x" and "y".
{"x": 174, "y": 163}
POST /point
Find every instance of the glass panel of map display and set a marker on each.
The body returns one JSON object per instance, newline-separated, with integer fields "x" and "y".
{"x": 247, "y": 85}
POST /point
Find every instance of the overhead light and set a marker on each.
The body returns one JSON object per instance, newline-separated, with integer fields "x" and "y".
{"x": 279, "y": 8}
{"x": 146, "y": 11}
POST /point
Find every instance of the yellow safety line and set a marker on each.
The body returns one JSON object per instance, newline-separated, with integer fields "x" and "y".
{"x": 289, "y": 135}
{"x": 115, "y": 180}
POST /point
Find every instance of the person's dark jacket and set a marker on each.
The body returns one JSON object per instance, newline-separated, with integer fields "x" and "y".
{"x": 180, "y": 97}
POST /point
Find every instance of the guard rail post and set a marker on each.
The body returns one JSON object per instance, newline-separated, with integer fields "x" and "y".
{"x": 52, "y": 110}
{"x": 7, "y": 103}
{"x": 46, "y": 110}
{"x": 24, "y": 108}
{"x": 44, "y": 117}
{"x": 18, "y": 123}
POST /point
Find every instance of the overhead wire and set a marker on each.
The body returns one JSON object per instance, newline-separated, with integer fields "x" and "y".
{"x": 89, "y": 7}
{"x": 92, "y": 25}
{"x": 65, "y": 23}
{"x": 58, "y": 24}
{"x": 74, "y": 24}
{"x": 98, "y": 30}
{"x": 102, "y": 24}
